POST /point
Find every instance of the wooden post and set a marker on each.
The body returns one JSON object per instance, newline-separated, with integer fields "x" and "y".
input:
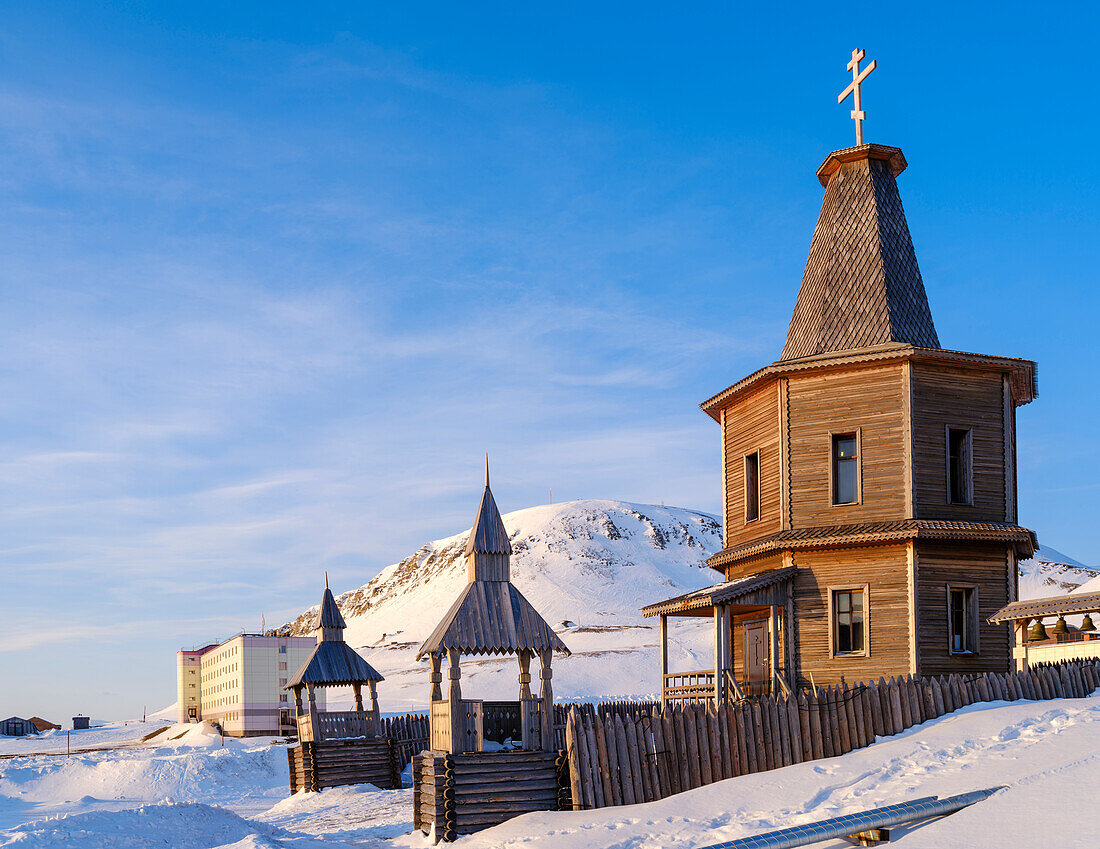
{"x": 1019, "y": 651}
{"x": 719, "y": 677}
{"x": 454, "y": 699}
{"x": 664, "y": 658}
{"x": 314, "y": 726}
{"x": 436, "y": 677}
{"x": 773, "y": 648}
{"x": 547, "y": 695}
{"x": 375, "y": 719}
{"x": 297, "y": 702}
{"x": 357, "y": 688}
{"x": 524, "y": 674}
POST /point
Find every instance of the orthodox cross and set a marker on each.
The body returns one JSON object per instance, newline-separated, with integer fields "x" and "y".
{"x": 858, "y": 76}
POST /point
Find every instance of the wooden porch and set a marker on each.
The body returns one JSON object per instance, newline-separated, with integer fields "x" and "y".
{"x": 753, "y": 654}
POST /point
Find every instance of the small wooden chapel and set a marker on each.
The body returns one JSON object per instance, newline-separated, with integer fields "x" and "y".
{"x": 869, "y": 474}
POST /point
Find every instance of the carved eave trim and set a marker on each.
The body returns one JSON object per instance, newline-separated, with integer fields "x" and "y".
{"x": 1023, "y": 374}
{"x": 875, "y": 533}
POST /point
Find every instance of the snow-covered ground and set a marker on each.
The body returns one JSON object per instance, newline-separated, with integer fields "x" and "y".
{"x": 193, "y": 793}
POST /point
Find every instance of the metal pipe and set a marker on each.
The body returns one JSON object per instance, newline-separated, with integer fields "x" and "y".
{"x": 839, "y": 827}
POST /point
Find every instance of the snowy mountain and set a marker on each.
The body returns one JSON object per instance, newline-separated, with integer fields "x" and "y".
{"x": 586, "y": 566}
{"x": 1050, "y": 572}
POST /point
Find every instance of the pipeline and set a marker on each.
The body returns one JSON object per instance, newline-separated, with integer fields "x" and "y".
{"x": 839, "y": 827}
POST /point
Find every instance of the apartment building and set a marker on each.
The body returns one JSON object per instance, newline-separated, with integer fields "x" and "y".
{"x": 239, "y": 683}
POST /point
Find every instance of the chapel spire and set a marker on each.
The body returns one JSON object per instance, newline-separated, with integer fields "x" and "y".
{"x": 862, "y": 286}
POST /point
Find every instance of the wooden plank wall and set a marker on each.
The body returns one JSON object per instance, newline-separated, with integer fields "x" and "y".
{"x": 963, "y": 398}
{"x": 884, "y": 569}
{"x": 616, "y": 761}
{"x": 985, "y": 565}
{"x": 871, "y": 400}
{"x": 752, "y": 424}
{"x": 465, "y": 793}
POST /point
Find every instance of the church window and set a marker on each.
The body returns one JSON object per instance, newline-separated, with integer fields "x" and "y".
{"x": 752, "y": 487}
{"x": 959, "y": 466}
{"x": 849, "y": 621}
{"x": 845, "y": 468}
{"x": 962, "y": 619}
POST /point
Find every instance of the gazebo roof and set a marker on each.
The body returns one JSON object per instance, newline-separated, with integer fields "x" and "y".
{"x": 333, "y": 663}
{"x": 492, "y": 617}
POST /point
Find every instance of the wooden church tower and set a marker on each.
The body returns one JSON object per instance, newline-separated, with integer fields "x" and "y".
{"x": 869, "y": 475}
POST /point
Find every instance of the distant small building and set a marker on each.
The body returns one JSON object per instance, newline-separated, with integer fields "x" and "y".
{"x": 15, "y": 726}
{"x": 81, "y": 723}
{"x": 238, "y": 684}
{"x": 41, "y": 725}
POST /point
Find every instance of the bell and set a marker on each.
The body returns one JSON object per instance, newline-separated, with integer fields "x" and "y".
{"x": 1037, "y": 632}
{"x": 1060, "y": 627}
{"x": 1086, "y": 623}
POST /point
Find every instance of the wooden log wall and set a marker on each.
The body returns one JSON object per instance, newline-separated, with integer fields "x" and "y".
{"x": 617, "y": 760}
{"x": 334, "y": 763}
{"x": 464, "y": 793}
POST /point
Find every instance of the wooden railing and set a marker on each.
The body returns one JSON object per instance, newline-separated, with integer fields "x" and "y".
{"x": 688, "y": 687}
{"x": 337, "y": 725}
{"x": 471, "y": 725}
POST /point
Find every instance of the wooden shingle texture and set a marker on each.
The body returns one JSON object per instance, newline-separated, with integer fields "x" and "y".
{"x": 862, "y": 286}
{"x": 333, "y": 663}
{"x": 492, "y": 617}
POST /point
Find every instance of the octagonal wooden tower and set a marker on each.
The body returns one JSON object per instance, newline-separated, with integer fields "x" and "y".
{"x": 869, "y": 475}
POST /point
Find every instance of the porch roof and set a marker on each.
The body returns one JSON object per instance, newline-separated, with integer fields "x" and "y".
{"x": 722, "y": 593}
{"x": 1058, "y": 605}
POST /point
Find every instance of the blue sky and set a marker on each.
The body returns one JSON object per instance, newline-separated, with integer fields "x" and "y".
{"x": 275, "y": 277}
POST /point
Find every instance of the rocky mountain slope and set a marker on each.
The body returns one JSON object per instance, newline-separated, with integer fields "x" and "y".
{"x": 1050, "y": 572}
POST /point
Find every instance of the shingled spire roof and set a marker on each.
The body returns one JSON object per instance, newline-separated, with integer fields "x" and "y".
{"x": 862, "y": 286}
{"x": 488, "y": 535}
{"x": 329, "y": 615}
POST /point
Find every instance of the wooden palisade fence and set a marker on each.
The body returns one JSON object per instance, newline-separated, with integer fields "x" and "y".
{"x": 623, "y": 757}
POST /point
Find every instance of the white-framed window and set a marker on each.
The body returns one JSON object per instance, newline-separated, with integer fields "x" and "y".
{"x": 962, "y": 619}
{"x": 849, "y": 620}
{"x": 960, "y": 465}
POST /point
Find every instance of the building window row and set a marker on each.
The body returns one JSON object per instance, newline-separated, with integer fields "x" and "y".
{"x": 849, "y": 617}
{"x": 845, "y": 470}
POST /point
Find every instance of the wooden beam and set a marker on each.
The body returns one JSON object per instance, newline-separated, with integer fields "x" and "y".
{"x": 454, "y": 700}
{"x": 664, "y": 657}
{"x": 911, "y": 580}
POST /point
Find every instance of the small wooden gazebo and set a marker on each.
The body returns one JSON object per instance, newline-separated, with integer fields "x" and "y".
{"x": 337, "y": 747}
{"x": 489, "y": 617}
{"x": 333, "y": 663}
